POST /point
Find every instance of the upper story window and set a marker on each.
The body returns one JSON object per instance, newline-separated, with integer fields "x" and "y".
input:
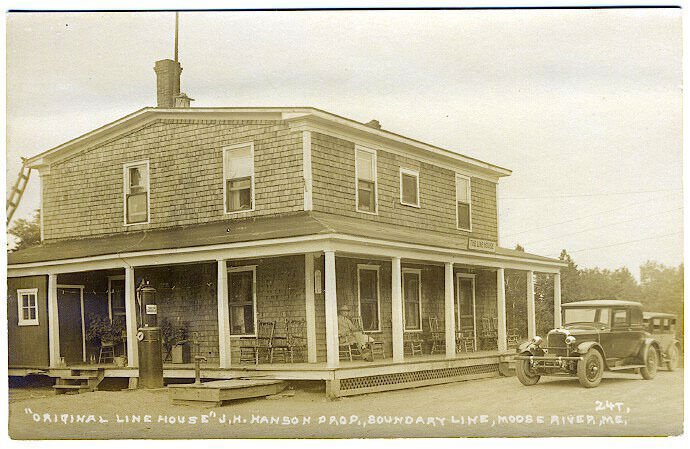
{"x": 409, "y": 187}
{"x": 27, "y": 301}
{"x": 238, "y": 172}
{"x": 365, "y": 165}
{"x": 136, "y": 192}
{"x": 463, "y": 202}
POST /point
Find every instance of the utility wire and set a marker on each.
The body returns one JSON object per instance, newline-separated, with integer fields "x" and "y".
{"x": 595, "y": 214}
{"x": 600, "y": 227}
{"x": 577, "y": 195}
{"x": 621, "y": 243}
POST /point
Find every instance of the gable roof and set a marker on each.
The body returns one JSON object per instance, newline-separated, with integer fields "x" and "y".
{"x": 293, "y": 115}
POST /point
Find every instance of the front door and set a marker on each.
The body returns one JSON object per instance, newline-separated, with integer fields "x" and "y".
{"x": 465, "y": 307}
{"x": 70, "y": 322}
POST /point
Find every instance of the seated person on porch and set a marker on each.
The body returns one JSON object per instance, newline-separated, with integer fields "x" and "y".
{"x": 351, "y": 334}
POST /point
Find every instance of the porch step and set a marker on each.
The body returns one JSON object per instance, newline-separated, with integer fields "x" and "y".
{"x": 61, "y": 389}
{"x": 79, "y": 380}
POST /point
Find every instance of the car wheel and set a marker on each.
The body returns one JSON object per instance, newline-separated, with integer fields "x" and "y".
{"x": 590, "y": 369}
{"x": 673, "y": 356}
{"x": 525, "y": 374}
{"x": 649, "y": 370}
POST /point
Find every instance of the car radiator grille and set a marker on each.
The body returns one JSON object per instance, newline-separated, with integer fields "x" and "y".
{"x": 556, "y": 344}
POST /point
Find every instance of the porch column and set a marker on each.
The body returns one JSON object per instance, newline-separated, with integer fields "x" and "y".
{"x": 53, "y": 323}
{"x": 310, "y": 306}
{"x": 397, "y": 311}
{"x": 131, "y": 318}
{"x": 223, "y": 315}
{"x": 501, "y": 309}
{"x": 450, "y": 311}
{"x": 332, "y": 351}
{"x": 531, "y": 318}
{"x": 557, "y": 300}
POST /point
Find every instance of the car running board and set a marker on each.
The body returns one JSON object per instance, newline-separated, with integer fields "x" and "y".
{"x": 624, "y": 367}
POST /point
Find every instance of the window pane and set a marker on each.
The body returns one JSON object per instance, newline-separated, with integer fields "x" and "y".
{"x": 32, "y": 313}
{"x": 461, "y": 190}
{"x": 370, "y": 315}
{"x": 367, "y": 285}
{"x": 367, "y": 201}
{"x": 241, "y": 288}
{"x": 237, "y": 320}
{"x": 411, "y": 315}
{"x": 137, "y": 179}
{"x": 137, "y": 208}
{"x": 465, "y": 297}
{"x": 620, "y": 317}
{"x": 365, "y": 165}
{"x": 25, "y": 313}
{"x": 239, "y": 163}
{"x": 409, "y": 189}
{"x": 239, "y": 194}
{"x": 463, "y": 215}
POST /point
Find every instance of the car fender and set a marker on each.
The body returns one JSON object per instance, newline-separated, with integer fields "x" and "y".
{"x": 525, "y": 347}
{"x": 647, "y": 343}
{"x": 585, "y": 346}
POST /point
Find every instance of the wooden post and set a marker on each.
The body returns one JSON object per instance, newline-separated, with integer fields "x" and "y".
{"x": 501, "y": 309}
{"x": 310, "y": 306}
{"x": 397, "y": 311}
{"x": 450, "y": 311}
{"x": 224, "y": 347}
{"x": 331, "y": 300}
{"x": 53, "y": 323}
{"x": 131, "y": 318}
{"x": 557, "y": 300}
{"x": 531, "y": 314}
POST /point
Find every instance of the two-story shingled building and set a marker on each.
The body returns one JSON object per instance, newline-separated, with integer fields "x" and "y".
{"x": 239, "y": 216}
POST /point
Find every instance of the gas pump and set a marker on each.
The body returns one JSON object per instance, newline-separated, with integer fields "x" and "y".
{"x": 149, "y": 336}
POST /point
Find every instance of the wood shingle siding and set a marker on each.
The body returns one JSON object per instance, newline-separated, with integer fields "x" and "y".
{"x": 28, "y": 344}
{"x": 333, "y": 166}
{"x": 83, "y": 196}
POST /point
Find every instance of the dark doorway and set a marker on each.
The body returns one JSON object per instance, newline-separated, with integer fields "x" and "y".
{"x": 70, "y": 322}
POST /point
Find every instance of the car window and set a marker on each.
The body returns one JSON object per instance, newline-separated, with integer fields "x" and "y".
{"x": 603, "y": 317}
{"x": 635, "y": 316}
{"x": 657, "y": 324}
{"x": 620, "y": 317}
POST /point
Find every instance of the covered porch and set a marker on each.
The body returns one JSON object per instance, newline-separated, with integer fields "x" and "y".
{"x": 439, "y": 312}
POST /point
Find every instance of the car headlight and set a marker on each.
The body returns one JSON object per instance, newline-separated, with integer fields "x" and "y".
{"x": 569, "y": 340}
{"x": 536, "y": 340}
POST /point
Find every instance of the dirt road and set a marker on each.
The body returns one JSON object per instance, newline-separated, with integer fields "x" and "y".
{"x": 621, "y": 405}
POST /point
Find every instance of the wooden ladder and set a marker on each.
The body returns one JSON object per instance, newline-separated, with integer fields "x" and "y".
{"x": 18, "y": 190}
{"x": 79, "y": 381}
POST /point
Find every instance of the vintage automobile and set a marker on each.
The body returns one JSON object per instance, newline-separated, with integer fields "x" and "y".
{"x": 662, "y": 326}
{"x": 595, "y": 336}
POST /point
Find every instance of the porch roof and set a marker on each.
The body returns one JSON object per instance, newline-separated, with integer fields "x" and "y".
{"x": 246, "y": 230}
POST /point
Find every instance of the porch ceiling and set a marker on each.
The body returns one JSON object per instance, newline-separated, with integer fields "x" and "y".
{"x": 248, "y": 230}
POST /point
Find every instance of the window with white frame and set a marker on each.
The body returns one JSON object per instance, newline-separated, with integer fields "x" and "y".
{"x": 136, "y": 192}
{"x": 242, "y": 300}
{"x": 369, "y": 301}
{"x": 463, "y": 202}
{"x": 365, "y": 165}
{"x": 409, "y": 187}
{"x": 412, "y": 299}
{"x": 238, "y": 172}
{"x": 27, "y": 302}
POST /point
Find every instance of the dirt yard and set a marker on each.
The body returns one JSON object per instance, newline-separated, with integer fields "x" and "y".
{"x": 621, "y": 405}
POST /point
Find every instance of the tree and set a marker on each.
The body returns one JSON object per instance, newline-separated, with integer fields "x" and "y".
{"x": 662, "y": 290}
{"x": 27, "y": 232}
{"x": 571, "y": 288}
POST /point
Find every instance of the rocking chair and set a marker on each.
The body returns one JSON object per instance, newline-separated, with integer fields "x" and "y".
{"x": 252, "y": 348}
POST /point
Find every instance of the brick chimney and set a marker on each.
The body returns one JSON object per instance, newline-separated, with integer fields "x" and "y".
{"x": 167, "y": 82}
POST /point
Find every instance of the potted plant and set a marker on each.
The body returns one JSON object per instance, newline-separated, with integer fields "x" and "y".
{"x": 175, "y": 341}
{"x": 101, "y": 331}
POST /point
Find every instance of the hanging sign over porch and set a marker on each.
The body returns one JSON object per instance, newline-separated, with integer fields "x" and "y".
{"x": 481, "y": 245}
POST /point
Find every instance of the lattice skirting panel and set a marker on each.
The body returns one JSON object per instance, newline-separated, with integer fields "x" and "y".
{"x": 382, "y": 382}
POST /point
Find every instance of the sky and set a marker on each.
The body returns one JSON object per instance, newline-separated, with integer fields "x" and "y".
{"x": 585, "y": 106}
